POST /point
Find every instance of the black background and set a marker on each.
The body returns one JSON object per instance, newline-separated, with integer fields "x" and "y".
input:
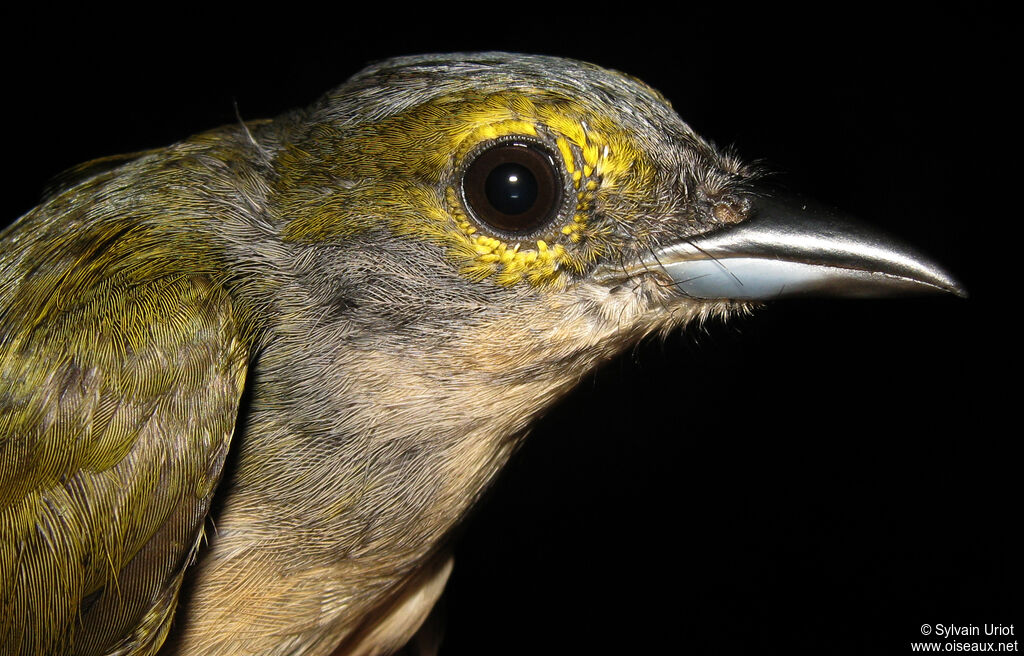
{"x": 823, "y": 477}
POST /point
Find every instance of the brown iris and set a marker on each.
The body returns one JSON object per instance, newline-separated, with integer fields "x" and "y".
{"x": 513, "y": 187}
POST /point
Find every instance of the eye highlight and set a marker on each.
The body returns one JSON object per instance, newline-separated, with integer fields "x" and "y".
{"x": 513, "y": 187}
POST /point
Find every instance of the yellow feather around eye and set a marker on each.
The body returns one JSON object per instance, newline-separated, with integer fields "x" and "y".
{"x": 385, "y": 164}
{"x": 567, "y": 157}
{"x": 508, "y": 128}
{"x": 606, "y": 160}
{"x": 561, "y": 119}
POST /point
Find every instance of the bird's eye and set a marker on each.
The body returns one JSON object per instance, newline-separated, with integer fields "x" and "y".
{"x": 513, "y": 187}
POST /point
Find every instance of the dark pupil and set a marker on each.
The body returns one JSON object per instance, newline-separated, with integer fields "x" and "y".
{"x": 511, "y": 188}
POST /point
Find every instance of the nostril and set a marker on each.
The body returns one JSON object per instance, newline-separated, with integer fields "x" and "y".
{"x": 731, "y": 209}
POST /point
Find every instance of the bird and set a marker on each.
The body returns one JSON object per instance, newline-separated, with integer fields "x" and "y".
{"x": 252, "y": 382}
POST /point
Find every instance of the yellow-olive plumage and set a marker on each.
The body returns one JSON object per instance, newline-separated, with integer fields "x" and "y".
{"x": 321, "y": 302}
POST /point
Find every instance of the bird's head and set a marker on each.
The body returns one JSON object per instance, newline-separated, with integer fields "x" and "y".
{"x": 528, "y": 215}
{"x": 491, "y": 226}
{"x": 468, "y": 235}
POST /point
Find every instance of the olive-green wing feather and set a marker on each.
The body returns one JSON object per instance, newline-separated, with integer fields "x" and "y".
{"x": 87, "y": 171}
{"x": 119, "y": 390}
